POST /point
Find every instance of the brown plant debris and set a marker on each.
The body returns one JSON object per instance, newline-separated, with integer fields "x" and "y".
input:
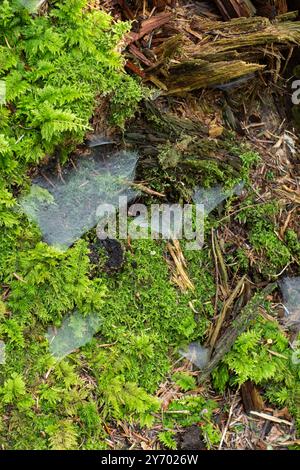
{"x": 178, "y": 267}
{"x": 252, "y": 400}
{"x": 237, "y": 327}
{"x": 181, "y": 53}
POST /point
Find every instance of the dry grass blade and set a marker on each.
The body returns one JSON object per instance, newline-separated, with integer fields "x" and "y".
{"x": 179, "y": 274}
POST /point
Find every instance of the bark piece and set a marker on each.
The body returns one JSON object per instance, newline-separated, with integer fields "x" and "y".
{"x": 252, "y": 400}
{"x": 149, "y": 25}
{"x": 235, "y": 8}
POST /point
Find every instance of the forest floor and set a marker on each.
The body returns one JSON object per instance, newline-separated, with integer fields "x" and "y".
{"x": 260, "y": 112}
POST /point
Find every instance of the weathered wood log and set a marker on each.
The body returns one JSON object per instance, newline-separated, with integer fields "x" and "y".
{"x": 236, "y": 49}
{"x": 238, "y": 326}
{"x": 195, "y": 74}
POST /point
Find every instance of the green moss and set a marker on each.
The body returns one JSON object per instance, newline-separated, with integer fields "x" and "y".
{"x": 262, "y": 355}
{"x": 147, "y": 315}
{"x": 145, "y": 318}
{"x": 167, "y": 438}
{"x": 293, "y": 243}
{"x": 184, "y": 380}
{"x": 191, "y": 162}
{"x": 57, "y": 69}
{"x": 50, "y": 283}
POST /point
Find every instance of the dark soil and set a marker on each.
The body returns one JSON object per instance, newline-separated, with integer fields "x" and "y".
{"x": 190, "y": 439}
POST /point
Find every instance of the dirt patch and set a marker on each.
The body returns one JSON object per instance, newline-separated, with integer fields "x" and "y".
{"x": 190, "y": 439}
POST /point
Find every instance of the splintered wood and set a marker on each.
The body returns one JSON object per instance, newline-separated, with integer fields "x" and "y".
{"x": 252, "y": 400}
{"x": 246, "y": 8}
{"x": 235, "y": 8}
{"x": 149, "y": 25}
{"x": 231, "y": 50}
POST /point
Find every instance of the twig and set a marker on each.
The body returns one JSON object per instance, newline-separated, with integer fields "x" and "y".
{"x": 271, "y": 418}
{"x": 225, "y": 308}
{"x": 287, "y": 443}
{"x": 19, "y": 278}
{"x": 147, "y": 190}
{"x": 222, "y": 270}
{"x": 48, "y": 180}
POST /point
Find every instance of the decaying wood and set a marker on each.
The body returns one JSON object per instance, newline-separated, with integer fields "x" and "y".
{"x": 245, "y": 8}
{"x": 148, "y": 137}
{"x": 238, "y": 326}
{"x": 236, "y": 35}
{"x": 149, "y": 25}
{"x": 271, "y": 8}
{"x": 135, "y": 51}
{"x": 252, "y": 400}
{"x": 227, "y": 304}
{"x": 173, "y": 125}
{"x": 235, "y": 8}
{"x": 195, "y": 74}
{"x": 207, "y": 53}
{"x": 134, "y": 68}
{"x": 236, "y": 50}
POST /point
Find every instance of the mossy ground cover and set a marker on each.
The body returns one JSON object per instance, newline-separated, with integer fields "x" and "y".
{"x": 57, "y": 68}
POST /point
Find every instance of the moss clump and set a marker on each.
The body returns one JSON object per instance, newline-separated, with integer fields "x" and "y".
{"x": 192, "y": 162}
{"x": 144, "y": 317}
{"x": 262, "y": 355}
{"x": 57, "y": 68}
{"x": 147, "y": 315}
{"x": 261, "y": 226}
{"x": 293, "y": 244}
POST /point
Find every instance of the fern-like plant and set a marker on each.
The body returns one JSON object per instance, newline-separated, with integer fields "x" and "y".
{"x": 56, "y": 68}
